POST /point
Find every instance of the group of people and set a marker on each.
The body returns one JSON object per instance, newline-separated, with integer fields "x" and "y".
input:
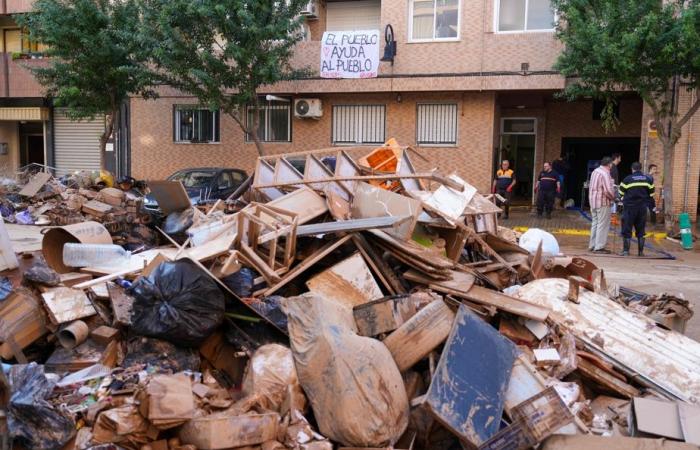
{"x": 635, "y": 192}
{"x": 547, "y": 187}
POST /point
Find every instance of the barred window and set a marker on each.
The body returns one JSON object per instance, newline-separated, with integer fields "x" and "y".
{"x": 274, "y": 121}
{"x": 359, "y": 124}
{"x": 436, "y": 123}
{"x": 195, "y": 124}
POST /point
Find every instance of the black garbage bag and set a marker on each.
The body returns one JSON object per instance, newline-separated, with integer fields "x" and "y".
{"x": 32, "y": 421}
{"x": 241, "y": 282}
{"x": 177, "y": 302}
{"x": 178, "y": 222}
{"x": 41, "y": 273}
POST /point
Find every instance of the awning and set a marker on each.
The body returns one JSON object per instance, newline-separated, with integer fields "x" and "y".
{"x": 33, "y": 113}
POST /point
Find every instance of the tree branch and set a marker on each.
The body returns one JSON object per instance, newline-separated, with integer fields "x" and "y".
{"x": 691, "y": 112}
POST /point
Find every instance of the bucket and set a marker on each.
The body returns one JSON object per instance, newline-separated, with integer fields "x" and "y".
{"x": 78, "y": 233}
{"x": 686, "y": 232}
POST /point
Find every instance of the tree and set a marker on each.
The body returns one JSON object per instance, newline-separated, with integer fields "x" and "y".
{"x": 647, "y": 46}
{"x": 93, "y": 67}
{"x": 223, "y": 51}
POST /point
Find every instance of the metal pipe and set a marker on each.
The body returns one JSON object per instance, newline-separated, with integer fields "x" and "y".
{"x": 687, "y": 158}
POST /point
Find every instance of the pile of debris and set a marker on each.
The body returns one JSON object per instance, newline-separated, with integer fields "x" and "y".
{"x": 354, "y": 304}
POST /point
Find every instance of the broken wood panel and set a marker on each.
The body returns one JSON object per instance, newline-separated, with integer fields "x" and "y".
{"x": 316, "y": 170}
{"x": 667, "y": 359}
{"x": 606, "y": 380}
{"x": 8, "y": 259}
{"x": 122, "y": 305}
{"x": 345, "y": 166}
{"x": 450, "y": 202}
{"x": 414, "y": 250}
{"x": 384, "y": 315}
{"x": 517, "y": 306}
{"x": 67, "y": 304}
{"x": 307, "y": 204}
{"x": 35, "y": 184}
{"x": 286, "y": 172}
{"x": 416, "y": 338}
{"x": 170, "y": 195}
{"x": 265, "y": 174}
{"x": 468, "y": 398}
{"x": 406, "y": 168}
{"x": 370, "y": 201}
{"x": 348, "y": 283}
{"x": 380, "y": 268}
{"x": 460, "y": 281}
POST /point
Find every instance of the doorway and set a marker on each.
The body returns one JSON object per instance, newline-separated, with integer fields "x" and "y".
{"x": 518, "y": 145}
{"x": 31, "y": 143}
{"x": 583, "y": 155}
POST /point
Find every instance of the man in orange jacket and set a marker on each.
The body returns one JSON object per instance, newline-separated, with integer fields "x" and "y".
{"x": 503, "y": 186}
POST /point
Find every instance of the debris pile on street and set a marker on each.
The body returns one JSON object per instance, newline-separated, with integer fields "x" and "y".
{"x": 355, "y": 304}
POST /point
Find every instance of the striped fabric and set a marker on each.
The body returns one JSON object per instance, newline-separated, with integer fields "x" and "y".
{"x": 601, "y": 191}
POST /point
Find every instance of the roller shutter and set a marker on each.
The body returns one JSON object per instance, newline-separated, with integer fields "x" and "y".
{"x": 354, "y": 15}
{"x": 76, "y": 143}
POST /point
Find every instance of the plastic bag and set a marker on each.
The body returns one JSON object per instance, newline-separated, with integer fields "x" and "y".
{"x": 5, "y": 288}
{"x": 270, "y": 372}
{"x": 177, "y": 302}
{"x": 531, "y": 239}
{"x": 31, "y": 420}
{"x": 41, "y": 273}
{"x": 241, "y": 282}
{"x": 24, "y": 218}
{"x": 352, "y": 382}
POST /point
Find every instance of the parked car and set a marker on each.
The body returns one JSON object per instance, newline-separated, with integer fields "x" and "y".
{"x": 203, "y": 185}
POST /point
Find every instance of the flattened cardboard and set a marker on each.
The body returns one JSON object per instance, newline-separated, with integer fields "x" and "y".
{"x": 349, "y": 283}
{"x": 170, "y": 195}
{"x": 221, "y": 431}
{"x": 66, "y": 304}
{"x": 370, "y": 201}
{"x": 35, "y": 184}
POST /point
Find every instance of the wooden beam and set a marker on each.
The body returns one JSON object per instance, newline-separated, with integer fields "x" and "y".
{"x": 426, "y": 176}
{"x": 380, "y": 268}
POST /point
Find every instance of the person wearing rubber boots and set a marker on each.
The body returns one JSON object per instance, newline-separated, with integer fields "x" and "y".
{"x": 503, "y": 186}
{"x": 636, "y": 192}
{"x": 547, "y": 187}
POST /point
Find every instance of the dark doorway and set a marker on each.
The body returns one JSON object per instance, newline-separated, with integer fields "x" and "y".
{"x": 584, "y": 154}
{"x": 31, "y": 143}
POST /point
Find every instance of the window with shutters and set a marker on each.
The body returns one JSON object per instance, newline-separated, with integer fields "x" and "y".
{"x": 194, "y": 124}
{"x": 525, "y": 15}
{"x": 274, "y": 121}
{"x": 436, "y": 124}
{"x": 434, "y": 20}
{"x": 359, "y": 124}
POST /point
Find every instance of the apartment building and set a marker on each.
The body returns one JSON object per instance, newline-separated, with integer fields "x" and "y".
{"x": 31, "y": 129}
{"x": 471, "y": 83}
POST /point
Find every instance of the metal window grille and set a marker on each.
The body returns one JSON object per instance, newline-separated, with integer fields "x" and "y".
{"x": 436, "y": 123}
{"x": 193, "y": 124}
{"x": 359, "y": 124}
{"x": 274, "y": 122}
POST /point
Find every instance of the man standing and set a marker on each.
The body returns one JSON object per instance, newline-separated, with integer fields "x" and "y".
{"x": 503, "y": 186}
{"x": 547, "y": 188}
{"x": 616, "y": 160}
{"x": 636, "y": 191}
{"x": 601, "y": 194}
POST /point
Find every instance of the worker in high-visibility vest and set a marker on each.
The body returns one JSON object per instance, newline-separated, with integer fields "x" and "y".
{"x": 636, "y": 192}
{"x": 503, "y": 186}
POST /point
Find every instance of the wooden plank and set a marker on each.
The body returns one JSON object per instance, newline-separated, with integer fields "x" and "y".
{"x": 22, "y": 319}
{"x": 265, "y": 174}
{"x": 315, "y": 170}
{"x": 271, "y": 277}
{"x": 306, "y": 264}
{"x": 67, "y": 304}
{"x": 450, "y": 202}
{"x": 8, "y": 259}
{"x": 380, "y": 268}
{"x": 414, "y": 250}
{"x": 35, "y": 184}
{"x": 348, "y": 283}
{"x": 170, "y": 195}
{"x": 420, "y": 335}
{"x": 306, "y": 203}
{"x": 346, "y": 178}
{"x": 346, "y": 167}
{"x": 122, "y": 304}
{"x": 460, "y": 282}
{"x": 503, "y": 302}
{"x": 589, "y": 370}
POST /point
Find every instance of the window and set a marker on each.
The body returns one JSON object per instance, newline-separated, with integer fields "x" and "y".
{"x": 274, "y": 121}
{"x": 525, "y": 15}
{"x": 436, "y": 124}
{"x": 434, "y": 20}
{"x": 196, "y": 124}
{"x": 358, "y": 124}
{"x": 224, "y": 181}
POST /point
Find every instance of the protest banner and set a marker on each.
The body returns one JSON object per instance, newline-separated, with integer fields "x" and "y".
{"x": 350, "y": 54}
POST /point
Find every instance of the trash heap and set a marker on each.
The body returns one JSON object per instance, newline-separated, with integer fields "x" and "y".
{"x": 357, "y": 304}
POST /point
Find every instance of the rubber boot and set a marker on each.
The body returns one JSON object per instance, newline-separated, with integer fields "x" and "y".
{"x": 626, "y": 247}
{"x": 640, "y": 243}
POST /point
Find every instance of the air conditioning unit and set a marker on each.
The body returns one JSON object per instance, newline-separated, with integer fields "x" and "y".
{"x": 310, "y": 10}
{"x": 308, "y": 108}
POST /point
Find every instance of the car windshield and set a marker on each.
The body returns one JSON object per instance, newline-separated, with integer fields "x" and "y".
{"x": 194, "y": 179}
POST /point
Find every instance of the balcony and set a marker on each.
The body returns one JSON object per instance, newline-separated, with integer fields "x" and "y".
{"x": 17, "y": 6}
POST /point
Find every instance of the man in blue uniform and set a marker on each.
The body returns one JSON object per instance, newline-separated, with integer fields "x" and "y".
{"x": 637, "y": 192}
{"x": 503, "y": 185}
{"x": 547, "y": 187}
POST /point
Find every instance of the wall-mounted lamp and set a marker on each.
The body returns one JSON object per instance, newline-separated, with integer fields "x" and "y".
{"x": 390, "y": 47}
{"x": 398, "y": 97}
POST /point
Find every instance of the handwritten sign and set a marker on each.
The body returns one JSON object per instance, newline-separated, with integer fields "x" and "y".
{"x": 350, "y": 54}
